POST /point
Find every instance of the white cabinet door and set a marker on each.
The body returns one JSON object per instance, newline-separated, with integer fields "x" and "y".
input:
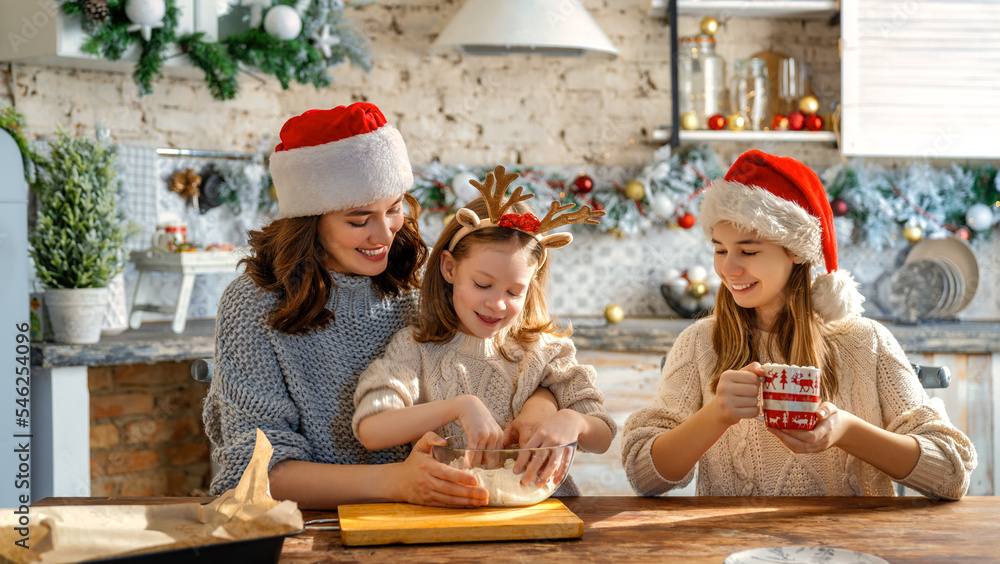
{"x": 921, "y": 78}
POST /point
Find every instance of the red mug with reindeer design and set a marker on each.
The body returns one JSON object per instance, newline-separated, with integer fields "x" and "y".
{"x": 791, "y": 396}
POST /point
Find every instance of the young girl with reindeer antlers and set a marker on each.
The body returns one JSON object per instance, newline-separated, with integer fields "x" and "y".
{"x": 484, "y": 341}
{"x": 770, "y": 222}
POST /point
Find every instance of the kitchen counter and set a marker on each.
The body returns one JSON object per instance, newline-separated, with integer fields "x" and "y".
{"x": 156, "y": 342}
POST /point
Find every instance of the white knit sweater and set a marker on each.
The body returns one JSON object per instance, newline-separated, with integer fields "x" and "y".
{"x": 413, "y": 373}
{"x": 877, "y": 385}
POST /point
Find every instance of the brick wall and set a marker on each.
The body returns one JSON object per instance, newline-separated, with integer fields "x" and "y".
{"x": 458, "y": 109}
{"x": 146, "y": 435}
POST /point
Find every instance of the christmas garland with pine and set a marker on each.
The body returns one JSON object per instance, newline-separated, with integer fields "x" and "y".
{"x": 325, "y": 40}
{"x": 875, "y": 207}
{"x": 15, "y": 123}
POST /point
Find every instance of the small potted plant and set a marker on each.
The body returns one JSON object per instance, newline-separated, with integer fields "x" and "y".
{"x": 78, "y": 243}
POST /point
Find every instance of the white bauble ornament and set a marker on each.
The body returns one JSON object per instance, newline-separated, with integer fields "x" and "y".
{"x": 678, "y": 286}
{"x": 283, "y": 22}
{"x": 979, "y": 217}
{"x": 465, "y": 192}
{"x": 697, "y": 274}
{"x": 663, "y": 206}
{"x": 670, "y": 275}
{"x": 145, "y": 16}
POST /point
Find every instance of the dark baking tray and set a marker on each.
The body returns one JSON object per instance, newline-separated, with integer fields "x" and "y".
{"x": 264, "y": 550}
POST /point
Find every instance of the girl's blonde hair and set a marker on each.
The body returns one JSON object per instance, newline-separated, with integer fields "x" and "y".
{"x": 798, "y": 335}
{"x": 437, "y": 321}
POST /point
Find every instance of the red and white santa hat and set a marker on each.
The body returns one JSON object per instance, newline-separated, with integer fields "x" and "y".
{"x": 784, "y": 202}
{"x": 331, "y": 160}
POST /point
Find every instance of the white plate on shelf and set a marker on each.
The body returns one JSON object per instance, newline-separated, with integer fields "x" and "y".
{"x": 960, "y": 254}
{"x": 801, "y": 555}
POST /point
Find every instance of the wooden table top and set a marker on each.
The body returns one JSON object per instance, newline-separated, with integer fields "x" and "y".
{"x": 699, "y": 529}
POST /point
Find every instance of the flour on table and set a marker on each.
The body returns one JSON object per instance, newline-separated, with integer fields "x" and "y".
{"x": 505, "y": 487}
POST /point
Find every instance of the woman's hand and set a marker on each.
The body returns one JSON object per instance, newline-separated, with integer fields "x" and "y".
{"x": 562, "y": 428}
{"x": 424, "y": 481}
{"x": 481, "y": 428}
{"x": 736, "y": 395}
{"x": 831, "y": 424}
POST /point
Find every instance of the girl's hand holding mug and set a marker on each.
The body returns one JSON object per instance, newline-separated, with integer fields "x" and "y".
{"x": 736, "y": 395}
{"x": 831, "y": 424}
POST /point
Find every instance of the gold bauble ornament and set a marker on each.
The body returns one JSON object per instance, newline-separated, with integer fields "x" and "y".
{"x": 709, "y": 25}
{"x": 614, "y": 313}
{"x": 737, "y": 122}
{"x": 913, "y": 233}
{"x": 447, "y": 218}
{"x": 689, "y": 121}
{"x": 809, "y": 105}
{"x": 635, "y": 190}
{"x": 697, "y": 290}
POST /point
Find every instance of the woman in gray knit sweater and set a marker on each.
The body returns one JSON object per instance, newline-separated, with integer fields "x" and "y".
{"x": 325, "y": 288}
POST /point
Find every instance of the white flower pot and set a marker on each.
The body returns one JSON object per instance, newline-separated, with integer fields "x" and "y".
{"x": 76, "y": 315}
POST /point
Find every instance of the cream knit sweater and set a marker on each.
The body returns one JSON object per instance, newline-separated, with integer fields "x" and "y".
{"x": 876, "y": 384}
{"x": 413, "y": 373}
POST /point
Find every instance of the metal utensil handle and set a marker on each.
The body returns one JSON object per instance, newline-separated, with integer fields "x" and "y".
{"x": 321, "y": 524}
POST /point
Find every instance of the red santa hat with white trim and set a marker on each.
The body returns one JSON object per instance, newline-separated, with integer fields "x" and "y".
{"x": 784, "y": 202}
{"x": 331, "y": 160}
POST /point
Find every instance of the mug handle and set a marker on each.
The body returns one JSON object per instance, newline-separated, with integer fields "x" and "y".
{"x": 162, "y": 241}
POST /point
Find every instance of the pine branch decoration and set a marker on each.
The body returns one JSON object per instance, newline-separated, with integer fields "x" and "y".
{"x": 295, "y": 60}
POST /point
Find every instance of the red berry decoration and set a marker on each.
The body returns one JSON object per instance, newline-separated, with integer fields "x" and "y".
{"x": 524, "y": 222}
{"x": 814, "y": 123}
{"x": 717, "y": 122}
{"x": 839, "y": 207}
{"x": 796, "y": 120}
{"x": 686, "y": 221}
{"x": 583, "y": 184}
{"x": 963, "y": 233}
{"x": 779, "y": 123}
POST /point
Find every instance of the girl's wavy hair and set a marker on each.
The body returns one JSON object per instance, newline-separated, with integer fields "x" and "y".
{"x": 798, "y": 334}
{"x": 289, "y": 260}
{"x": 437, "y": 321}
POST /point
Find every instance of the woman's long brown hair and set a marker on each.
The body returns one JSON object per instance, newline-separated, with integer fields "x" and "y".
{"x": 437, "y": 321}
{"x": 797, "y": 334}
{"x": 289, "y": 260}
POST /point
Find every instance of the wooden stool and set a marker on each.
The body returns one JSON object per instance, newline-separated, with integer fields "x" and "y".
{"x": 188, "y": 265}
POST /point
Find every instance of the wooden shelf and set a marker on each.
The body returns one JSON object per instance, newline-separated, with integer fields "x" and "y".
{"x": 748, "y": 8}
{"x": 662, "y": 135}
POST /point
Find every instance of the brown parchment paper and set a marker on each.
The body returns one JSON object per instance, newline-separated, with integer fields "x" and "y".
{"x": 77, "y": 533}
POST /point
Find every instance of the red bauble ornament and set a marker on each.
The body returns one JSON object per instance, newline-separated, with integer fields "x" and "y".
{"x": 796, "y": 120}
{"x": 779, "y": 123}
{"x": 814, "y": 123}
{"x": 839, "y": 207}
{"x": 717, "y": 122}
{"x": 583, "y": 184}
{"x": 525, "y": 222}
{"x": 686, "y": 221}
{"x": 963, "y": 233}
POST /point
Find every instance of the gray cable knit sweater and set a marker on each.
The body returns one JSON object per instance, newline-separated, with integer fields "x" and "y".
{"x": 299, "y": 389}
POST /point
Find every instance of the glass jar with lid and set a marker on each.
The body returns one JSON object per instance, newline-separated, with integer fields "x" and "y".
{"x": 750, "y": 92}
{"x": 701, "y": 81}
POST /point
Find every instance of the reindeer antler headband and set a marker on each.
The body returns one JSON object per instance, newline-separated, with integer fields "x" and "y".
{"x": 493, "y": 192}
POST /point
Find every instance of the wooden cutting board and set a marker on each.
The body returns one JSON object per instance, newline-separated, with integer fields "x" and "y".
{"x": 402, "y": 523}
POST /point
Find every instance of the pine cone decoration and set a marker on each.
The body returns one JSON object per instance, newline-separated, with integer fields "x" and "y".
{"x": 96, "y": 10}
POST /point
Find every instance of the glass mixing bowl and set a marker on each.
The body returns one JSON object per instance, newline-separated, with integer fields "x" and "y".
{"x": 494, "y": 469}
